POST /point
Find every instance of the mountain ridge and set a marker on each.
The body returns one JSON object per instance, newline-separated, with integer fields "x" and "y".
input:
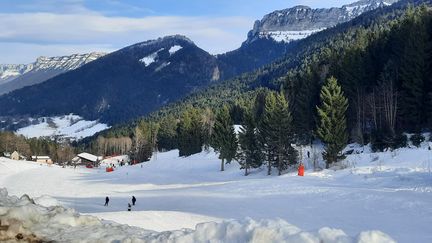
{"x": 16, "y": 76}
{"x": 301, "y": 21}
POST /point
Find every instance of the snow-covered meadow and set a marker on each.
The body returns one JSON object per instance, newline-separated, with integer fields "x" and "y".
{"x": 377, "y": 198}
{"x": 70, "y": 126}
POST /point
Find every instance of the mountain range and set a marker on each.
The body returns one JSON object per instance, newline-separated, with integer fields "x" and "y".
{"x": 141, "y": 78}
{"x": 14, "y": 77}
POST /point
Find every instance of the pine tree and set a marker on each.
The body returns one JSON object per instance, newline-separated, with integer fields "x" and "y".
{"x": 276, "y": 133}
{"x": 412, "y": 70}
{"x": 167, "y": 135}
{"x": 190, "y": 133}
{"x": 428, "y": 74}
{"x": 224, "y": 140}
{"x": 303, "y": 99}
{"x": 250, "y": 154}
{"x": 332, "y": 121}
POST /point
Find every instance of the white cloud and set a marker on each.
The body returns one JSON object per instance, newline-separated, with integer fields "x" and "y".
{"x": 64, "y": 31}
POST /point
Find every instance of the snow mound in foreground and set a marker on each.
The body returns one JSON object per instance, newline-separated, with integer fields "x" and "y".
{"x": 56, "y": 223}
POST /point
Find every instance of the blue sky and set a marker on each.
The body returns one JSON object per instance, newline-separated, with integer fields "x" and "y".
{"x": 32, "y": 28}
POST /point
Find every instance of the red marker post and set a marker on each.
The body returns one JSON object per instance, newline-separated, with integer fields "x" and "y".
{"x": 301, "y": 170}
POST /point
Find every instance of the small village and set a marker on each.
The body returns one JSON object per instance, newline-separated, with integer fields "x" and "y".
{"x": 84, "y": 159}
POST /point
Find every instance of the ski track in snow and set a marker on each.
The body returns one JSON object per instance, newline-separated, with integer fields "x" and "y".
{"x": 392, "y": 194}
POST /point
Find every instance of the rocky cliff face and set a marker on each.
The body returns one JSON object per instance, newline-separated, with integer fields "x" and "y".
{"x": 301, "y": 21}
{"x": 65, "y": 62}
{"x": 10, "y": 71}
{"x": 14, "y": 77}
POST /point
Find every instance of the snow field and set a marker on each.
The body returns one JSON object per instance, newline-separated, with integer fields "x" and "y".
{"x": 65, "y": 225}
{"x": 174, "y": 49}
{"x": 389, "y": 192}
{"x": 288, "y": 36}
{"x": 69, "y": 126}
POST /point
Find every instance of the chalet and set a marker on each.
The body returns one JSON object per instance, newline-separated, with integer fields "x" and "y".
{"x": 87, "y": 159}
{"x": 15, "y": 156}
{"x": 42, "y": 159}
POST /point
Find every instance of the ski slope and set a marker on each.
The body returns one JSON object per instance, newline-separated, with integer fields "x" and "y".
{"x": 390, "y": 192}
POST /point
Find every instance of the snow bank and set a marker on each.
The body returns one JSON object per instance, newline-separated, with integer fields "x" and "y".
{"x": 46, "y": 201}
{"x": 56, "y": 223}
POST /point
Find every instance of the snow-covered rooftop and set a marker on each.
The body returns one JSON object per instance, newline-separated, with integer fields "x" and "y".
{"x": 88, "y": 156}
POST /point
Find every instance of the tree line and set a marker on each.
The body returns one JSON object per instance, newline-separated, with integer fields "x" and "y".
{"x": 59, "y": 152}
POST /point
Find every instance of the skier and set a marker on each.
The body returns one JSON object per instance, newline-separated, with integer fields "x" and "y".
{"x": 133, "y": 200}
{"x": 129, "y": 207}
{"x": 106, "y": 201}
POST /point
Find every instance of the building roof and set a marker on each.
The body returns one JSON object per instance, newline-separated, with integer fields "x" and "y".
{"x": 88, "y": 156}
{"x": 40, "y": 157}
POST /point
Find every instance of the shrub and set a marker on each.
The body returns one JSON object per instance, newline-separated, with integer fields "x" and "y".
{"x": 417, "y": 139}
{"x": 400, "y": 141}
{"x": 377, "y": 142}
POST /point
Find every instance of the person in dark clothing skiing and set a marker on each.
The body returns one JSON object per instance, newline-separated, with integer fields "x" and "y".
{"x": 133, "y": 200}
{"x": 129, "y": 207}
{"x": 106, "y": 201}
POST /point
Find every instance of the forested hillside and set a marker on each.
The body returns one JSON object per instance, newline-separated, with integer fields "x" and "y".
{"x": 381, "y": 60}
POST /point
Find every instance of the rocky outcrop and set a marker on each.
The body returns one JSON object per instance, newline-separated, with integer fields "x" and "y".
{"x": 301, "y": 21}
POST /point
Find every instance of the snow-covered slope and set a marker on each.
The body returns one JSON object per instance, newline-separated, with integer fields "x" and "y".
{"x": 65, "y": 62}
{"x": 70, "y": 126}
{"x": 301, "y": 21}
{"x": 55, "y": 223}
{"x": 14, "y": 77}
{"x": 377, "y": 191}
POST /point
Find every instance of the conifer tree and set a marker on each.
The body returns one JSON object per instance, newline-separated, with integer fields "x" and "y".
{"x": 224, "y": 139}
{"x": 250, "y": 154}
{"x": 303, "y": 99}
{"x": 332, "y": 127}
{"x": 276, "y": 131}
{"x": 190, "y": 133}
{"x": 412, "y": 69}
{"x": 167, "y": 135}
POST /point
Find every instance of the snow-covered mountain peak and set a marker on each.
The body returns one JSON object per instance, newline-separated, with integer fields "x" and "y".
{"x": 9, "y": 72}
{"x": 166, "y": 41}
{"x": 157, "y": 54}
{"x": 301, "y": 21}
{"x": 65, "y": 62}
